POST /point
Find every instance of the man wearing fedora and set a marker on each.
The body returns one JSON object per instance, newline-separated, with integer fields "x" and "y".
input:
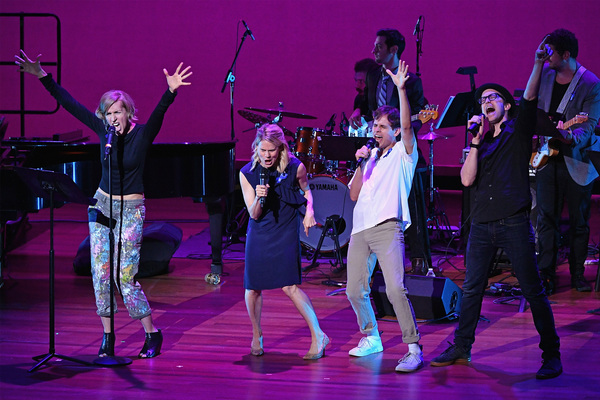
{"x": 497, "y": 170}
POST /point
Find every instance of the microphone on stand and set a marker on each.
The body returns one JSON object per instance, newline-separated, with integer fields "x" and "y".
{"x": 418, "y": 26}
{"x": 474, "y": 127}
{"x": 330, "y": 124}
{"x": 371, "y": 143}
{"x": 110, "y": 132}
{"x": 344, "y": 123}
{"x": 248, "y": 30}
{"x": 263, "y": 179}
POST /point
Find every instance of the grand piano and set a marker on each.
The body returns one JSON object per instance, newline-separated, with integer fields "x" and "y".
{"x": 201, "y": 170}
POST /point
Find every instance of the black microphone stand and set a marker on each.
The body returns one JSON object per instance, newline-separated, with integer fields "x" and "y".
{"x": 230, "y": 78}
{"x": 111, "y": 360}
{"x": 214, "y": 277}
{"x": 419, "y": 34}
{"x": 52, "y": 186}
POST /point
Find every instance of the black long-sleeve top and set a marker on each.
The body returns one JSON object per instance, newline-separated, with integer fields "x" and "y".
{"x": 128, "y": 151}
{"x": 501, "y": 188}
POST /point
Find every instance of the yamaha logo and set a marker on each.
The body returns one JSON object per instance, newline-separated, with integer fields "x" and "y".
{"x": 323, "y": 186}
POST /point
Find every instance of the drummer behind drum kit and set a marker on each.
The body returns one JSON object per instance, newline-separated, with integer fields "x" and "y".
{"x": 328, "y": 173}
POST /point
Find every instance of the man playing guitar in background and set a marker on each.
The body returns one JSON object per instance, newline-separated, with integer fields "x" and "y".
{"x": 567, "y": 89}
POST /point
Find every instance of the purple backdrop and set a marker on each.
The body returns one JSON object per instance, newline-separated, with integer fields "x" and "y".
{"x": 303, "y": 55}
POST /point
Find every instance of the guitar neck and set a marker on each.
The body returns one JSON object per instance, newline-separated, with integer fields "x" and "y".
{"x": 569, "y": 123}
{"x": 578, "y": 119}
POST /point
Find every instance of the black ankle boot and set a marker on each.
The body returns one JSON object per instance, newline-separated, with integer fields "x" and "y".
{"x": 578, "y": 282}
{"x": 152, "y": 345}
{"x": 107, "y": 348}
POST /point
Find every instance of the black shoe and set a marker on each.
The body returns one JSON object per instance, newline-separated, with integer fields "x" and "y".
{"x": 107, "y": 348}
{"x": 152, "y": 345}
{"x": 452, "y": 355}
{"x": 580, "y": 284}
{"x": 551, "y": 368}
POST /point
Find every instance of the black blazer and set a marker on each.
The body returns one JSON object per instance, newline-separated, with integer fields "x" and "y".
{"x": 414, "y": 90}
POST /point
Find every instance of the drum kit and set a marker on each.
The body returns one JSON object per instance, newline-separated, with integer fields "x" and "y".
{"x": 329, "y": 174}
{"x": 328, "y": 178}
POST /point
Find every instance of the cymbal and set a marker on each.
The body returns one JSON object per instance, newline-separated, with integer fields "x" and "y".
{"x": 254, "y": 118}
{"x": 260, "y": 120}
{"x": 433, "y": 136}
{"x": 282, "y": 112}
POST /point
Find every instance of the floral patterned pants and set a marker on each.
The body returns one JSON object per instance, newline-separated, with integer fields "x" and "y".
{"x": 128, "y": 222}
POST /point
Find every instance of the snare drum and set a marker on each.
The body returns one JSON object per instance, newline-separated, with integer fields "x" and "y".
{"x": 330, "y": 197}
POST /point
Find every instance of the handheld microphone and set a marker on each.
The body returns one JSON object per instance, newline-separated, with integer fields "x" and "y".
{"x": 264, "y": 177}
{"x": 110, "y": 132}
{"x": 418, "y": 25}
{"x": 248, "y": 30}
{"x": 371, "y": 143}
{"x": 474, "y": 127}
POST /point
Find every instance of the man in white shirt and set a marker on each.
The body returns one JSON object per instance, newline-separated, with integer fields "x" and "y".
{"x": 380, "y": 187}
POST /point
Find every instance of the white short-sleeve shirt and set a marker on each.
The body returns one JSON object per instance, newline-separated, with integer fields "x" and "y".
{"x": 386, "y": 185}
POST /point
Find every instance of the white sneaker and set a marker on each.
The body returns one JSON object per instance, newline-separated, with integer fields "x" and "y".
{"x": 410, "y": 362}
{"x": 367, "y": 345}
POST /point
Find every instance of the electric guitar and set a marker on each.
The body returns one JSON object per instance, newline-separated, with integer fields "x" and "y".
{"x": 366, "y": 129}
{"x": 548, "y": 146}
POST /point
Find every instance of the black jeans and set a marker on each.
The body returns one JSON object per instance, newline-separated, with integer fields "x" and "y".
{"x": 554, "y": 186}
{"x": 515, "y": 236}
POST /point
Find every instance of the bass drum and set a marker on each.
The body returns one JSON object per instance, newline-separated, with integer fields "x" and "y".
{"x": 330, "y": 197}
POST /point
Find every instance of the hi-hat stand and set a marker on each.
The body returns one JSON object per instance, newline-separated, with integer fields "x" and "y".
{"x": 330, "y": 229}
{"x": 437, "y": 220}
{"x": 51, "y": 186}
{"x": 457, "y": 112}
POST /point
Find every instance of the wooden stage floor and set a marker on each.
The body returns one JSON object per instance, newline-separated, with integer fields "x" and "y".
{"x": 207, "y": 334}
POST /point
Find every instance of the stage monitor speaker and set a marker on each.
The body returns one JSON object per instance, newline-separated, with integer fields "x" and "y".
{"x": 160, "y": 241}
{"x": 431, "y": 297}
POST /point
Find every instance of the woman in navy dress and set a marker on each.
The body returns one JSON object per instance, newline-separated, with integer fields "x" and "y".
{"x": 273, "y": 237}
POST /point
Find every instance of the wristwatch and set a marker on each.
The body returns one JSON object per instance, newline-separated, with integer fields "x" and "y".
{"x": 475, "y": 145}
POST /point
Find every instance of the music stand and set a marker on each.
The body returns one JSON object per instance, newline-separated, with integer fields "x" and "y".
{"x": 52, "y": 186}
{"x": 595, "y": 158}
{"x": 341, "y": 148}
{"x": 457, "y": 112}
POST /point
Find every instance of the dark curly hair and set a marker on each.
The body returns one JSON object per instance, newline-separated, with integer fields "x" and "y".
{"x": 564, "y": 40}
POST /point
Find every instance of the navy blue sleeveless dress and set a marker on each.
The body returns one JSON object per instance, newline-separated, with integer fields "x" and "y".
{"x": 273, "y": 241}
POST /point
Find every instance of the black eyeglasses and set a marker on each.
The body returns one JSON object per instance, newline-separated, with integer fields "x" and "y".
{"x": 491, "y": 97}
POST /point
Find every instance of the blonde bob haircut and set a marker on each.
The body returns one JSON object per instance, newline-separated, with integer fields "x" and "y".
{"x": 111, "y": 97}
{"x": 273, "y": 134}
